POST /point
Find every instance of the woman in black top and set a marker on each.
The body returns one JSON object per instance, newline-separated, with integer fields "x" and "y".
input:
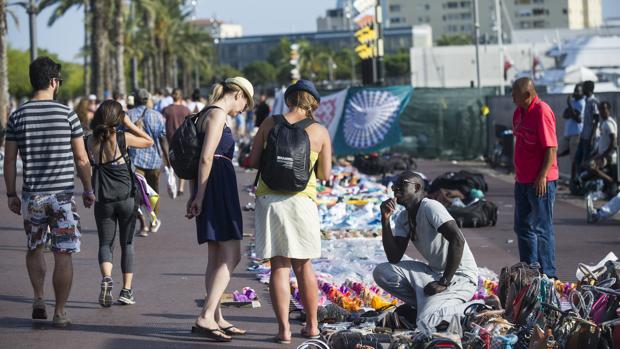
{"x": 114, "y": 186}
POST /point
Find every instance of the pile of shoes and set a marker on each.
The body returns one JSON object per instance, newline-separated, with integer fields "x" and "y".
{"x": 539, "y": 313}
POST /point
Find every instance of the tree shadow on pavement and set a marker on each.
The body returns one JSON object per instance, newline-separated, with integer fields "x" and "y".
{"x": 237, "y": 343}
{"x": 178, "y": 332}
{"x": 48, "y": 301}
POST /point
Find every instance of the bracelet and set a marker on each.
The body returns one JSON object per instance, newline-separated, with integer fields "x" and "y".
{"x": 11, "y": 195}
{"x": 90, "y": 192}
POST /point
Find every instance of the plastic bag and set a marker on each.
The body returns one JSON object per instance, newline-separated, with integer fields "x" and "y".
{"x": 172, "y": 182}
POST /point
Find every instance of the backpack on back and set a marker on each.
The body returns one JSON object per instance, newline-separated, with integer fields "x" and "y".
{"x": 285, "y": 162}
{"x": 186, "y": 146}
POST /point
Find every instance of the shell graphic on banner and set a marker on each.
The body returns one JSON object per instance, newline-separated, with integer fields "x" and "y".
{"x": 368, "y": 117}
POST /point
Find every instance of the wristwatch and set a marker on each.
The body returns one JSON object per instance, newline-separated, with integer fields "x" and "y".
{"x": 444, "y": 281}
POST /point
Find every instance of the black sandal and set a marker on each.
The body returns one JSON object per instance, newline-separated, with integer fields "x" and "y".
{"x": 216, "y": 334}
{"x": 232, "y": 330}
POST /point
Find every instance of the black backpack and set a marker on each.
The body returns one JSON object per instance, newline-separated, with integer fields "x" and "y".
{"x": 481, "y": 213}
{"x": 285, "y": 162}
{"x": 186, "y": 146}
{"x": 463, "y": 180}
{"x": 372, "y": 164}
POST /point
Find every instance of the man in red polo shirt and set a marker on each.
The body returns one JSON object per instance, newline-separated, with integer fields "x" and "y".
{"x": 536, "y": 169}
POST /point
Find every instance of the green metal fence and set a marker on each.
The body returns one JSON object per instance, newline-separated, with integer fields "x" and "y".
{"x": 445, "y": 124}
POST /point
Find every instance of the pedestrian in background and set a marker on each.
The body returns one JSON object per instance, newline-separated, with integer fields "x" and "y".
{"x": 573, "y": 116}
{"x": 115, "y": 192}
{"x": 588, "y": 130}
{"x": 287, "y": 223}
{"x": 148, "y": 161}
{"x": 536, "y": 174}
{"x": 214, "y": 202}
{"x": 195, "y": 105}
{"x": 43, "y": 126}
{"x": 262, "y": 111}
{"x": 83, "y": 114}
{"x": 175, "y": 114}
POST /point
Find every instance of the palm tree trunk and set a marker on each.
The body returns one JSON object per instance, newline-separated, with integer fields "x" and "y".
{"x": 86, "y": 50}
{"x": 98, "y": 41}
{"x": 175, "y": 70}
{"x": 109, "y": 76}
{"x": 119, "y": 45}
{"x": 4, "y": 76}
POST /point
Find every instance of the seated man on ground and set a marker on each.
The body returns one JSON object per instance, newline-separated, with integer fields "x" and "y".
{"x": 441, "y": 288}
{"x": 600, "y": 214}
{"x": 603, "y": 164}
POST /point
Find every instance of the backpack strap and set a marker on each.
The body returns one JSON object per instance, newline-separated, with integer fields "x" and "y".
{"x": 122, "y": 146}
{"x": 304, "y": 123}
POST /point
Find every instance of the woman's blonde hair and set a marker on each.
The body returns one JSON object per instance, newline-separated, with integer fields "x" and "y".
{"x": 302, "y": 100}
{"x": 220, "y": 89}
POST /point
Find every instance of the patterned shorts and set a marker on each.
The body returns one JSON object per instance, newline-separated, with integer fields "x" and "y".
{"x": 56, "y": 212}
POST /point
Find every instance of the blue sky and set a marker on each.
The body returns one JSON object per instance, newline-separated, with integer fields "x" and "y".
{"x": 66, "y": 36}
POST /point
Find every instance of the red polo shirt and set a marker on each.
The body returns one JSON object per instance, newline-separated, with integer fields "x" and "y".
{"x": 534, "y": 131}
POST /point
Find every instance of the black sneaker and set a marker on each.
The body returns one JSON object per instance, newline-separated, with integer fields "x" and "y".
{"x": 105, "y": 296}
{"x": 126, "y": 297}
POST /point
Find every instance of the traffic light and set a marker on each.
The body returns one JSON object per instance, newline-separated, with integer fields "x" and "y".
{"x": 366, "y": 35}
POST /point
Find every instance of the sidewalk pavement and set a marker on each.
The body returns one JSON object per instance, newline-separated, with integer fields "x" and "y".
{"x": 169, "y": 275}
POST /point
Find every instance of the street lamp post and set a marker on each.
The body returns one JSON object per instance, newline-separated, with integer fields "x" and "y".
{"x": 32, "y": 9}
{"x": 348, "y": 12}
{"x": 477, "y": 40}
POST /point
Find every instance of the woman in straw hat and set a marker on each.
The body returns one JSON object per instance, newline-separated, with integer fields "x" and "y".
{"x": 215, "y": 202}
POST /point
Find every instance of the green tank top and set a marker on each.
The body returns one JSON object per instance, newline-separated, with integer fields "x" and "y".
{"x": 309, "y": 191}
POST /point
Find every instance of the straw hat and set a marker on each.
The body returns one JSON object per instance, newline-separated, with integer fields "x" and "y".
{"x": 246, "y": 86}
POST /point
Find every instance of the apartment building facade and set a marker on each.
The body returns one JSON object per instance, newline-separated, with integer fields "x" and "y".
{"x": 452, "y": 17}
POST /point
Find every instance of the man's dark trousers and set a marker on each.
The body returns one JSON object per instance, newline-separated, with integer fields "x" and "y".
{"x": 533, "y": 224}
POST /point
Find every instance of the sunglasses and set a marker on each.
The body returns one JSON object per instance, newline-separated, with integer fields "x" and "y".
{"x": 401, "y": 184}
{"x": 59, "y": 80}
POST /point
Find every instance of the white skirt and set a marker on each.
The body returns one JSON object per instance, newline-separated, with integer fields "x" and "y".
{"x": 287, "y": 226}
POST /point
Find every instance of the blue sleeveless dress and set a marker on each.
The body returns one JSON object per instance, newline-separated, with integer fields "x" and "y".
{"x": 220, "y": 219}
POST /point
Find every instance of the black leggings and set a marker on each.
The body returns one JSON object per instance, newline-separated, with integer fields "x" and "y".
{"x": 107, "y": 215}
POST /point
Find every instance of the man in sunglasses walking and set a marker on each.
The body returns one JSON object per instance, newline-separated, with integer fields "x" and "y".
{"x": 48, "y": 136}
{"x": 441, "y": 288}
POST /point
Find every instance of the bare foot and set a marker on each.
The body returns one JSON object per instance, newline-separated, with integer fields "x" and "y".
{"x": 204, "y": 323}
{"x": 310, "y": 331}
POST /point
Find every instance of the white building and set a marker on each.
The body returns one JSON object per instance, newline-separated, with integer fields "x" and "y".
{"x": 455, "y": 66}
{"x": 220, "y": 29}
{"x": 451, "y": 17}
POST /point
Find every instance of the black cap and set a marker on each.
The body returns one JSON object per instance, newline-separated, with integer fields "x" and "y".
{"x": 303, "y": 85}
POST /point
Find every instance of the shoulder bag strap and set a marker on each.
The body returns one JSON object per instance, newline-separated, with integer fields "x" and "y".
{"x": 122, "y": 146}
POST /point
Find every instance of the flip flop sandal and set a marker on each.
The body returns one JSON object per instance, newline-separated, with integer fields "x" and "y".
{"x": 216, "y": 334}
{"x": 306, "y": 335}
{"x": 234, "y": 331}
{"x": 279, "y": 340}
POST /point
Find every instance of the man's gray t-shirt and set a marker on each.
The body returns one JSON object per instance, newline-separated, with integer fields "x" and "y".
{"x": 429, "y": 242}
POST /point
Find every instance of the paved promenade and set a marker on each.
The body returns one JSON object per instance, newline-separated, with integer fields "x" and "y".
{"x": 169, "y": 275}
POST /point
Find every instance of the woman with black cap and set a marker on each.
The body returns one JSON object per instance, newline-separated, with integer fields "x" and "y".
{"x": 287, "y": 222}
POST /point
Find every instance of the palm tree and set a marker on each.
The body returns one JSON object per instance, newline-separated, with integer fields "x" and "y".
{"x": 4, "y": 76}
{"x": 62, "y": 6}
{"x": 119, "y": 46}
{"x": 98, "y": 45}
